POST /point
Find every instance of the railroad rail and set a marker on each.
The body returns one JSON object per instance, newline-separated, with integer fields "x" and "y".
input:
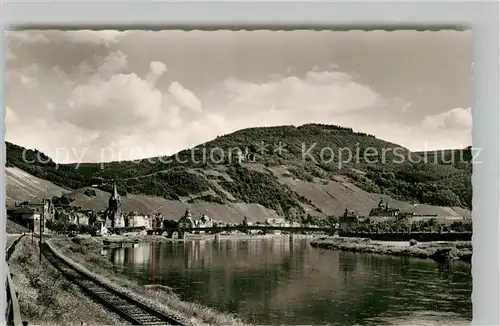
{"x": 13, "y": 312}
{"x": 122, "y": 304}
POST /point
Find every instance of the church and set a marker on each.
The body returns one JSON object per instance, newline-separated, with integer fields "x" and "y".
{"x": 114, "y": 217}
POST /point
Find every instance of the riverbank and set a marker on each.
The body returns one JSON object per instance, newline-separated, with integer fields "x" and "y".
{"x": 439, "y": 251}
{"x": 86, "y": 252}
{"x": 46, "y": 297}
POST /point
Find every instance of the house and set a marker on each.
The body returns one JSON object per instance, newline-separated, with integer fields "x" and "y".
{"x": 186, "y": 221}
{"x": 100, "y": 225}
{"x": 44, "y": 206}
{"x": 203, "y": 222}
{"x": 39, "y": 207}
{"x": 80, "y": 218}
{"x": 139, "y": 221}
{"x": 383, "y": 210}
{"x": 349, "y": 219}
{"x": 28, "y": 217}
{"x": 276, "y": 221}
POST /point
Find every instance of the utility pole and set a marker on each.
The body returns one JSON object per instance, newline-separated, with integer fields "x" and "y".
{"x": 42, "y": 216}
{"x": 41, "y": 232}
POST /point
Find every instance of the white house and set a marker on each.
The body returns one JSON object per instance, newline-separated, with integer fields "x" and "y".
{"x": 276, "y": 221}
{"x": 139, "y": 221}
{"x": 101, "y": 228}
{"x": 203, "y": 222}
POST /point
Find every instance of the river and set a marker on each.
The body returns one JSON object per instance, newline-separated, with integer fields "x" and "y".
{"x": 282, "y": 281}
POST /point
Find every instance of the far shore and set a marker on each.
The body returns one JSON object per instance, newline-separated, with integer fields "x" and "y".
{"x": 115, "y": 240}
{"x": 436, "y": 250}
{"x": 439, "y": 250}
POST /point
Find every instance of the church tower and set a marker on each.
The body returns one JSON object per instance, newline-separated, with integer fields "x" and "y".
{"x": 114, "y": 214}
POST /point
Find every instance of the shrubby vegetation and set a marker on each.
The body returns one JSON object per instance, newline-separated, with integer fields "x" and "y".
{"x": 425, "y": 225}
{"x": 61, "y": 227}
{"x": 257, "y": 187}
{"x": 438, "y": 183}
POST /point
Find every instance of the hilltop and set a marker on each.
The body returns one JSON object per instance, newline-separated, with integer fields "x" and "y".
{"x": 290, "y": 182}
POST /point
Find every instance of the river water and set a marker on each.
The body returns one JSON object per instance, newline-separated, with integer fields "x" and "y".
{"x": 282, "y": 281}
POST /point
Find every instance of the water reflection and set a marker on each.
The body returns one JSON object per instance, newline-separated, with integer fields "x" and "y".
{"x": 280, "y": 281}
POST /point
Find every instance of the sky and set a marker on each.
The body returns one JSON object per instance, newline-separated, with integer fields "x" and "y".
{"x": 90, "y": 96}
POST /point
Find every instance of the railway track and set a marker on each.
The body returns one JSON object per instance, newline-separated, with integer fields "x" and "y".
{"x": 134, "y": 312}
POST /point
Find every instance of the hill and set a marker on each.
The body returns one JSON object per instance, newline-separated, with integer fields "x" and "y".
{"x": 303, "y": 177}
{"x": 22, "y": 186}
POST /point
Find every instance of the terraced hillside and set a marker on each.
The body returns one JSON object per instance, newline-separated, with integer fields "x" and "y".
{"x": 279, "y": 172}
{"x": 22, "y": 186}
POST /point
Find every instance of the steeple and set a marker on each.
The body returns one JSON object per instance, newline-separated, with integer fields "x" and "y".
{"x": 114, "y": 215}
{"x": 115, "y": 191}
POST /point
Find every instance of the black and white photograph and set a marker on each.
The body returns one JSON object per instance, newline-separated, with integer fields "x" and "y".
{"x": 251, "y": 177}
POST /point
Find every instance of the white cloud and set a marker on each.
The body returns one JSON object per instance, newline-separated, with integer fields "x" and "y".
{"x": 158, "y": 68}
{"x": 9, "y": 55}
{"x": 121, "y": 102}
{"x": 26, "y": 37}
{"x": 317, "y": 92}
{"x": 115, "y": 61}
{"x": 104, "y": 37}
{"x": 10, "y": 116}
{"x": 25, "y": 79}
{"x": 185, "y": 97}
{"x": 457, "y": 118}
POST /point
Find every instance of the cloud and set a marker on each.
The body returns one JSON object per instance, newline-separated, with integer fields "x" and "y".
{"x": 9, "y": 55}
{"x": 26, "y": 37}
{"x": 121, "y": 102}
{"x": 10, "y": 116}
{"x": 111, "y": 102}
{"x": 457, "y": 118}
{"x": 185, "y": 97}
{"x": 115, "y": 61}
{"x": 158, "y": 67}
{"x": 102, "y": 37}
{"x": 24, "y": 79}
{"x": 317, "y": 92}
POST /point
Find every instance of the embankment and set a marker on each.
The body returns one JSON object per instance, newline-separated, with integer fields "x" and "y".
{"x": 439, "y": 251}
{"x": 46, "y": 297}
{"x": 86, "y": 253}
{"x": 418, "y": 236}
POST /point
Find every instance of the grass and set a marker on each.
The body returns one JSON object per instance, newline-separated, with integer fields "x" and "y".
{"x": 87, "y": 254}
{"x": 12, "y": 227}
{"x": 461, "y": 250}
{"x": 46, "y": 297}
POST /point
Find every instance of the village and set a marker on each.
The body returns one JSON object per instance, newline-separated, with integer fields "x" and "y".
{"x": 49, "y": 217}
{"x": 45, "y": 215}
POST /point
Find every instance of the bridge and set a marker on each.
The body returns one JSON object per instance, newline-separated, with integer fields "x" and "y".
{"x": 393, "y": 236}
{"x": 242, "y": 228}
